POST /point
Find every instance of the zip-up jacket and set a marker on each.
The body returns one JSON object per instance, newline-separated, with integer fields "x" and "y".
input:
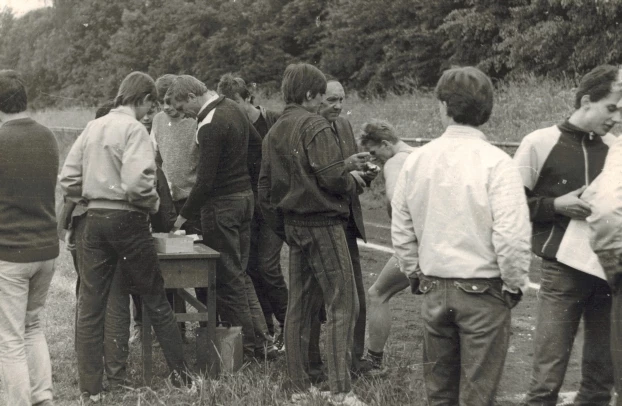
{"x": 303, "y": 177}
{"x": 555, "y": 161}
{"x": 112, "y": 165}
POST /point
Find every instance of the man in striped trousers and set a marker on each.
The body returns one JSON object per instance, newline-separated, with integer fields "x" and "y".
{"x": 304, "y": 190}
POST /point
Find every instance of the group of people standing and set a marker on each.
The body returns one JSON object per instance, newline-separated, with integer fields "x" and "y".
{"x": 465, "y": 219}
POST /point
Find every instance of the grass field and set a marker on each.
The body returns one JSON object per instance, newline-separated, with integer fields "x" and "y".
{"x": 520, "y": 108}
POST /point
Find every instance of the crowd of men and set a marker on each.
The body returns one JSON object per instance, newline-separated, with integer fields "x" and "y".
{"x": 465, "y": 220}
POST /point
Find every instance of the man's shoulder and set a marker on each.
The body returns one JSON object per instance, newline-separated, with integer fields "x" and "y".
{"x": 542, "y": 135}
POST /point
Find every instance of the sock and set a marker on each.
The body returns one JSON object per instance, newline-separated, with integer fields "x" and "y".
{"x": 375, "y": 357}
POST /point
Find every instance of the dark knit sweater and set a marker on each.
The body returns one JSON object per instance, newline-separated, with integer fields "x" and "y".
{"x": 28, "y": 170}
{"x": 223, "y": 135}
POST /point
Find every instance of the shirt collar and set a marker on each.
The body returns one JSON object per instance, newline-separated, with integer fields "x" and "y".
{"x": 210, "y": 100}
{"x": 457, "y": 131}
{"x": 124, "y": 110}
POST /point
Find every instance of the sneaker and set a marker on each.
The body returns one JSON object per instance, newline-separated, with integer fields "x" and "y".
{"x": 268, "y": 352}
{"x": 308, "y": 395}
{"x": 369, "y": 368}
{"x": 346, "y": 399}
{"x": 137, "y": 335}
{"x": 87, "y": 399}
{"x": 279, "y": 342}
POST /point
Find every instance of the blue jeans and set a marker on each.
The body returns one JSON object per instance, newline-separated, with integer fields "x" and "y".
{"x": 119, "y": 241}
{"x": 320, "y": 271}
{"x": 226, "y": 222}
{"x": 565, "y": 296}
{"x": 25, "y": 368}
{"x": 466, "y": 336}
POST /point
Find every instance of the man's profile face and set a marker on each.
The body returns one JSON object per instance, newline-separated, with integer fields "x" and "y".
{"x": 189, "y": 107}
{"x": 602, "y": 115}
{"x": 332, "y": 102}
{"x": 379, "y": 152}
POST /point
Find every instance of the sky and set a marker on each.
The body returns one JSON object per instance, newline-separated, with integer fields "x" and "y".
{"x": 23, "y": 6}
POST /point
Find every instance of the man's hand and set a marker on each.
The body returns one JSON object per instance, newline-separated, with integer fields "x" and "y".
{"x": 356, "y": 162}
{"x": 178, "y": 223}
{"x": 370, "y": 172}
{"x": 571, "y": 205}
{"x": 358, "y": 176}
{"x": 69, "y": 243}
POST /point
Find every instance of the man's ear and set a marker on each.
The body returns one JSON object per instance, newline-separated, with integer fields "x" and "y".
{"x": 585, "y": 101}
{"x": 308, "y": 95}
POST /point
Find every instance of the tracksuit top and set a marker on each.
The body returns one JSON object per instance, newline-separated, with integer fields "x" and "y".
{"x": 555, "y": 161}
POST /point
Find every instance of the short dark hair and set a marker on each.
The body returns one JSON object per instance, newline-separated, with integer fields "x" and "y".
{"x": 376, "y": 131}
{"x": 134, "y": 88}
{"x": 230, "y": 85}
{"x": 468, "y": 93}
{"x": 596, "y": 84}
{"x": 299, "y": 79}
{"x": 163, "y": 83}
{"x": 104, "y": 109}
{"x": 13, "y": 97}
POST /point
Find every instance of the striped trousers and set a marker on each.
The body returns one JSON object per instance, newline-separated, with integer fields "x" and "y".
{"x": 320, "y": 271}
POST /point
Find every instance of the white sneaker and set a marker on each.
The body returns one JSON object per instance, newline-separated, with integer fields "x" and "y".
{"x": 309, "y": 394}
{"x": 346, "y": 399}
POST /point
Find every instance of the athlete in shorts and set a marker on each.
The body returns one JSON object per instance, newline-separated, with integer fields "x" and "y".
{"x": 379, "y": 139}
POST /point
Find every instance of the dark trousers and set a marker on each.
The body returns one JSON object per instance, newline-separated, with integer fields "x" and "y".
{"x": 177, "y": 304}
{"x": 565, "y": 296}
{"x": 117, "y": 320}
{"x": 358, "y": 342}
{"x": 320, "y": 272}
{"x": 466, "y": 336}
{"x": 226, "y": 222}
{"x": 120, "y": 241}
{"x": 264, "y": 269}
{"x": 610, "y": 260}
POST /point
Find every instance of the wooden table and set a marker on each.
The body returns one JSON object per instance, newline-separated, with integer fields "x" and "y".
{"x": 183, "y": 271}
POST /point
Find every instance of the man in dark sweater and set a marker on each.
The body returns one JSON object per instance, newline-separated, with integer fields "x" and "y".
{"x": 264, "y": 261}
{"x": 223, "y": 195}
{"x": 28, "y": 245}
{"x": 556, "y": 164}
{"x": 304, "y": 191}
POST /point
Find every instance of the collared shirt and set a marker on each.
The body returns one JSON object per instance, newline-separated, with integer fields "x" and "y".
{"x": 459, "y": 211}
{"x": 605, "y": 198}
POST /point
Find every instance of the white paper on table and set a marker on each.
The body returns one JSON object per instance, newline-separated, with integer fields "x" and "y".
{"x": 575, "y": 250}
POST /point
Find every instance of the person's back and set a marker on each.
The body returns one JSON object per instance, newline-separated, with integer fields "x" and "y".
{"x": 460, "y": 230}
{"x": 28, "y": 168}
{"x": 118, "y": 163}
{"x": 28, "y": 246}
{"x": 450, "y": 200}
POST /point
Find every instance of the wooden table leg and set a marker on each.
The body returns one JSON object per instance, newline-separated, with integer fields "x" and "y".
{"x": 146, "y": 347}
{"x": 213, "y": 358}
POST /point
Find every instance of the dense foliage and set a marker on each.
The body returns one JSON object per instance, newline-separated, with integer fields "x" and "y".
{"x": 77, "y": 51}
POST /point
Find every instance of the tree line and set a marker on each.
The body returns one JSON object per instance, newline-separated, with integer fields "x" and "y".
{"x": 77, "y": 51}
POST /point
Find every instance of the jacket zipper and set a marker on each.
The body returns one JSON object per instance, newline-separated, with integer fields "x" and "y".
{"x": 587, "y": 162}
{"x": 587, "y": 182}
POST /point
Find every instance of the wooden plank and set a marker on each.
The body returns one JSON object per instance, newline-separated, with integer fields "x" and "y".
{"x": 200, "y": 252}
{"x": 182, "y": 317}
{"x": 192, "y": 301}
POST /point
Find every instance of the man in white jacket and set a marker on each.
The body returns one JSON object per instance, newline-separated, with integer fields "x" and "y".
{"x": 460, "y": 225}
